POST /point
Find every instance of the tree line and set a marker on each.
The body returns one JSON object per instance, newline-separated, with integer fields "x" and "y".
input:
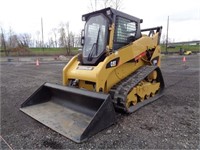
{"x": 60, "y": 37}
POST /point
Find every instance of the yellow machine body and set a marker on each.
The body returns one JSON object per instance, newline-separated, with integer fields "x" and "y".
{"x": 118, "y": 69}
{"x": 103, "y": 78}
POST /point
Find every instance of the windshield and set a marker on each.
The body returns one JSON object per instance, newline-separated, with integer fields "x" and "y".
{"x": 95, "y": 37}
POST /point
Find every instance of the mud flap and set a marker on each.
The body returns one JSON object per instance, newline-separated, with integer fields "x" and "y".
{"x": 75, "y": 113}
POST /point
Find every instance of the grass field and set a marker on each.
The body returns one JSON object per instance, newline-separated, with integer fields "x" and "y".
{"x": 176, "y": 49}
{"x": 52, "y": 51}
{"x": 62, "y": 51}
{"x": 40, "y": 52}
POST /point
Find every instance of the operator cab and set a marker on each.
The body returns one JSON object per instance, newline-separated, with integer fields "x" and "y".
{"x": 96, "y": 36}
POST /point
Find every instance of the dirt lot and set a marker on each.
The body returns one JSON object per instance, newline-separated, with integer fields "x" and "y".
{"x": 172, "y": 122}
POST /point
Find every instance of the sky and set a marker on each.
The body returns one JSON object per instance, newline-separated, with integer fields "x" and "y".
{"x": 24, "y": 16}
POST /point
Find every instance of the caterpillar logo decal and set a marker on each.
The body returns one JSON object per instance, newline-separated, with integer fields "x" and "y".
{"x": 113, "y": 63}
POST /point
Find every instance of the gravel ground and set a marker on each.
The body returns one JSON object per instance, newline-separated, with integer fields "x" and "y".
{"x": 172, "y": 122}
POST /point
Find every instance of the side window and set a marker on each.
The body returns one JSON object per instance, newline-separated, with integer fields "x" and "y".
{"x": 124, "y": 30}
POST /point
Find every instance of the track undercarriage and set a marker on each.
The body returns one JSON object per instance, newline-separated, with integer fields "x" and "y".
{"x": 138, "y": 89}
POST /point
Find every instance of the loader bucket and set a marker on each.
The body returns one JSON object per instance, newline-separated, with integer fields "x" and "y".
{"x": 74, "y": 113}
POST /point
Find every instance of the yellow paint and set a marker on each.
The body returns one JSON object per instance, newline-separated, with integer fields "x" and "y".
{"x": 104, "y": 78}
{"x": 112, "y": 30}
{"x": 131, "y": 98}
{"x": 146, "y": 88}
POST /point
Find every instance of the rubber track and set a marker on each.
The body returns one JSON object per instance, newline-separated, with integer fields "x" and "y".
{"x": 120, "y": 91}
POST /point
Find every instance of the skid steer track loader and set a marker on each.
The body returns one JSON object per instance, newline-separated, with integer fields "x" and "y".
{"x": 117, "y": 70}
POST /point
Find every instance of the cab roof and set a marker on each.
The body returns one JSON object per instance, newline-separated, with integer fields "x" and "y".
{"x": 110, "y": 12}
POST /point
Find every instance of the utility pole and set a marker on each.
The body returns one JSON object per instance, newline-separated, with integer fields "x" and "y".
{"x": 42, "y": 34}
{"x": 167, "y": 34}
